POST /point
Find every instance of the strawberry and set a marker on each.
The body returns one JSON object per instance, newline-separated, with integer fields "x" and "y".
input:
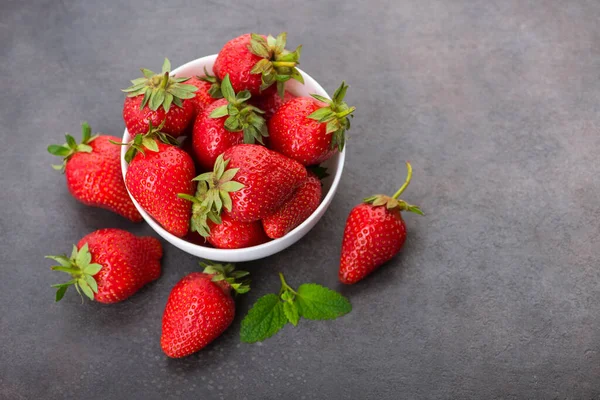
{"x": 158, "y": 98}
{"x": 374, "y": 234}
{"x": 110, "y": 265}
{"x": 225, "y": 123}
{"x": 93, "y": 172}
{"x": 209, "y": 90}
{"x": 200, "y": 308}
{"x": 293, "y": 212}
{"x": 220, "y": 230}
{"x": 311, "y": 130}
{"x": 158, "y": 172}
{"x": 231, "y": 234}
{"x": 255, "y": 62}
{"x": 264, "y": 181}
{"x": 270, "y": 102}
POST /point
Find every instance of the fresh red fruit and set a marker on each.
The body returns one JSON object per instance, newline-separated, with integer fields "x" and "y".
{"x": 199, "y": 309}
{"x": 270, "y": 102}
{"x": 110, "y": 265}
{"x": 93, "y": 172}
{"x": 311, "y": 130}
{"x": 157, "y": 173}
{"x": 296, "y": 210}
{"x": 255, "y": 62}
{"x": 224, "y": 124}
{"x": 374, "y": 234}
{"x": 209, "y": 90}
{"x": 159, "y": 99}
{"x": 230, "y": 234}
{"x": 269, "y": 179}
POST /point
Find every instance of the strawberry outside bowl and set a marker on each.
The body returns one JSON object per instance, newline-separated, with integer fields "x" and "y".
{"x": 334, "y": 167}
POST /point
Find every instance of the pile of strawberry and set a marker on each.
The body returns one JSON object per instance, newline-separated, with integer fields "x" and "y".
{"x": 228, "y": 159}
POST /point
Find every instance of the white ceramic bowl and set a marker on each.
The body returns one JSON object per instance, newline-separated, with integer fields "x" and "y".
{"x": 334, "y": 166}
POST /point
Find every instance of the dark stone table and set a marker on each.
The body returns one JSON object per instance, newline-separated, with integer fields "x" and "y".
{"x": 496, "y": 293}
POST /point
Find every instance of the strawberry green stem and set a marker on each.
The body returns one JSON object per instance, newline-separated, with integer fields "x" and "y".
{"x": 289, "y": 64}
{"x": 284, "y": 284}
{"x": 165, "y": 81}
{"x": 406, "y": 182}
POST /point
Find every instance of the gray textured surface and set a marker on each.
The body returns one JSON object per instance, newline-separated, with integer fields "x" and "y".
{"x": 496, "y": 294}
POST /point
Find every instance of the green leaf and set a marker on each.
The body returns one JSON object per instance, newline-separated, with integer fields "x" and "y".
{"x": 297, "y": 76}
{"x": 321, "y": 98}
{"x": 259, "y": 46}
{"x": 71, "y": 141}
{"x": 68, "y": 270}
{"x": 85, "y": 288}
{"x": 229, "y": 174}
{"x": 92, "y": 269}
{"x": 203, "y": 177}
{"x": 147, "y": 73}
{"x": 83, "y": 257}
{"x": 166, "y": 66}
{"x": 232, "y": 186}
{"x": 280, "y": 42}
{"x": 84, "y": 148}
{"x": 74, "y": 253}
{"x": 86, "y": 132}
{"x": 322, "y": 114}
{"x": 62, "y": 260}
{"x": 232, "y": 124}
{"x": 319, "y": 303}
{"x": 265, "y": 318}
{"x": 150, "y": 144}
{"x": 340, "y": 93}
{"x": 157, "y": 100}
{"x": 60, "y": 292}
{"x": 261, "y": 66}
{"x": 92, "y": 282}
{"x": 168, "y": 101}
{"x": 219, "y": 112}
{"x": 187, "y": 197}
{"x": 243, "y": 96}
{"x": 226, "y": 199}
{"x": 290, "y": 309}
{"x": 227, "y": 89}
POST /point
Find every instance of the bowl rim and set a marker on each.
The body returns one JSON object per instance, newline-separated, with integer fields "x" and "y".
{"x": 222, "y": 254}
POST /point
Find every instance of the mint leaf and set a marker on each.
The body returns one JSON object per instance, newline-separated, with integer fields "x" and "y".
{"x": 317, "y": 302}
{"x": 265, "y": 318}
{"x": 291, "y": 312}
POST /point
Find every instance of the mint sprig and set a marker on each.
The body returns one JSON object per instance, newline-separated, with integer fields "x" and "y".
{"x": 270, "y": 313}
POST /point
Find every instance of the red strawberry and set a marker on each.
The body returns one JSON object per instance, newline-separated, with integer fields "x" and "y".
{"x": 157, "y": 173}
{"x": 225, "y": 123}
{"x": 269, "y": 179}
{"x": 311, "y": 130}
{"x": 199, "y": 309}
{"x": 93, "y": 171}
{"x": 270, "y": 102}
{"x": 157, "y": 99}
{"x": 374, "y": 234}
{"x": 110, "y": 265}
{"x": 209, "y": 90}
{"x": 256, "y": 62}
{"x": 230, "y": 234}
{"x": 293, "y": 212}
